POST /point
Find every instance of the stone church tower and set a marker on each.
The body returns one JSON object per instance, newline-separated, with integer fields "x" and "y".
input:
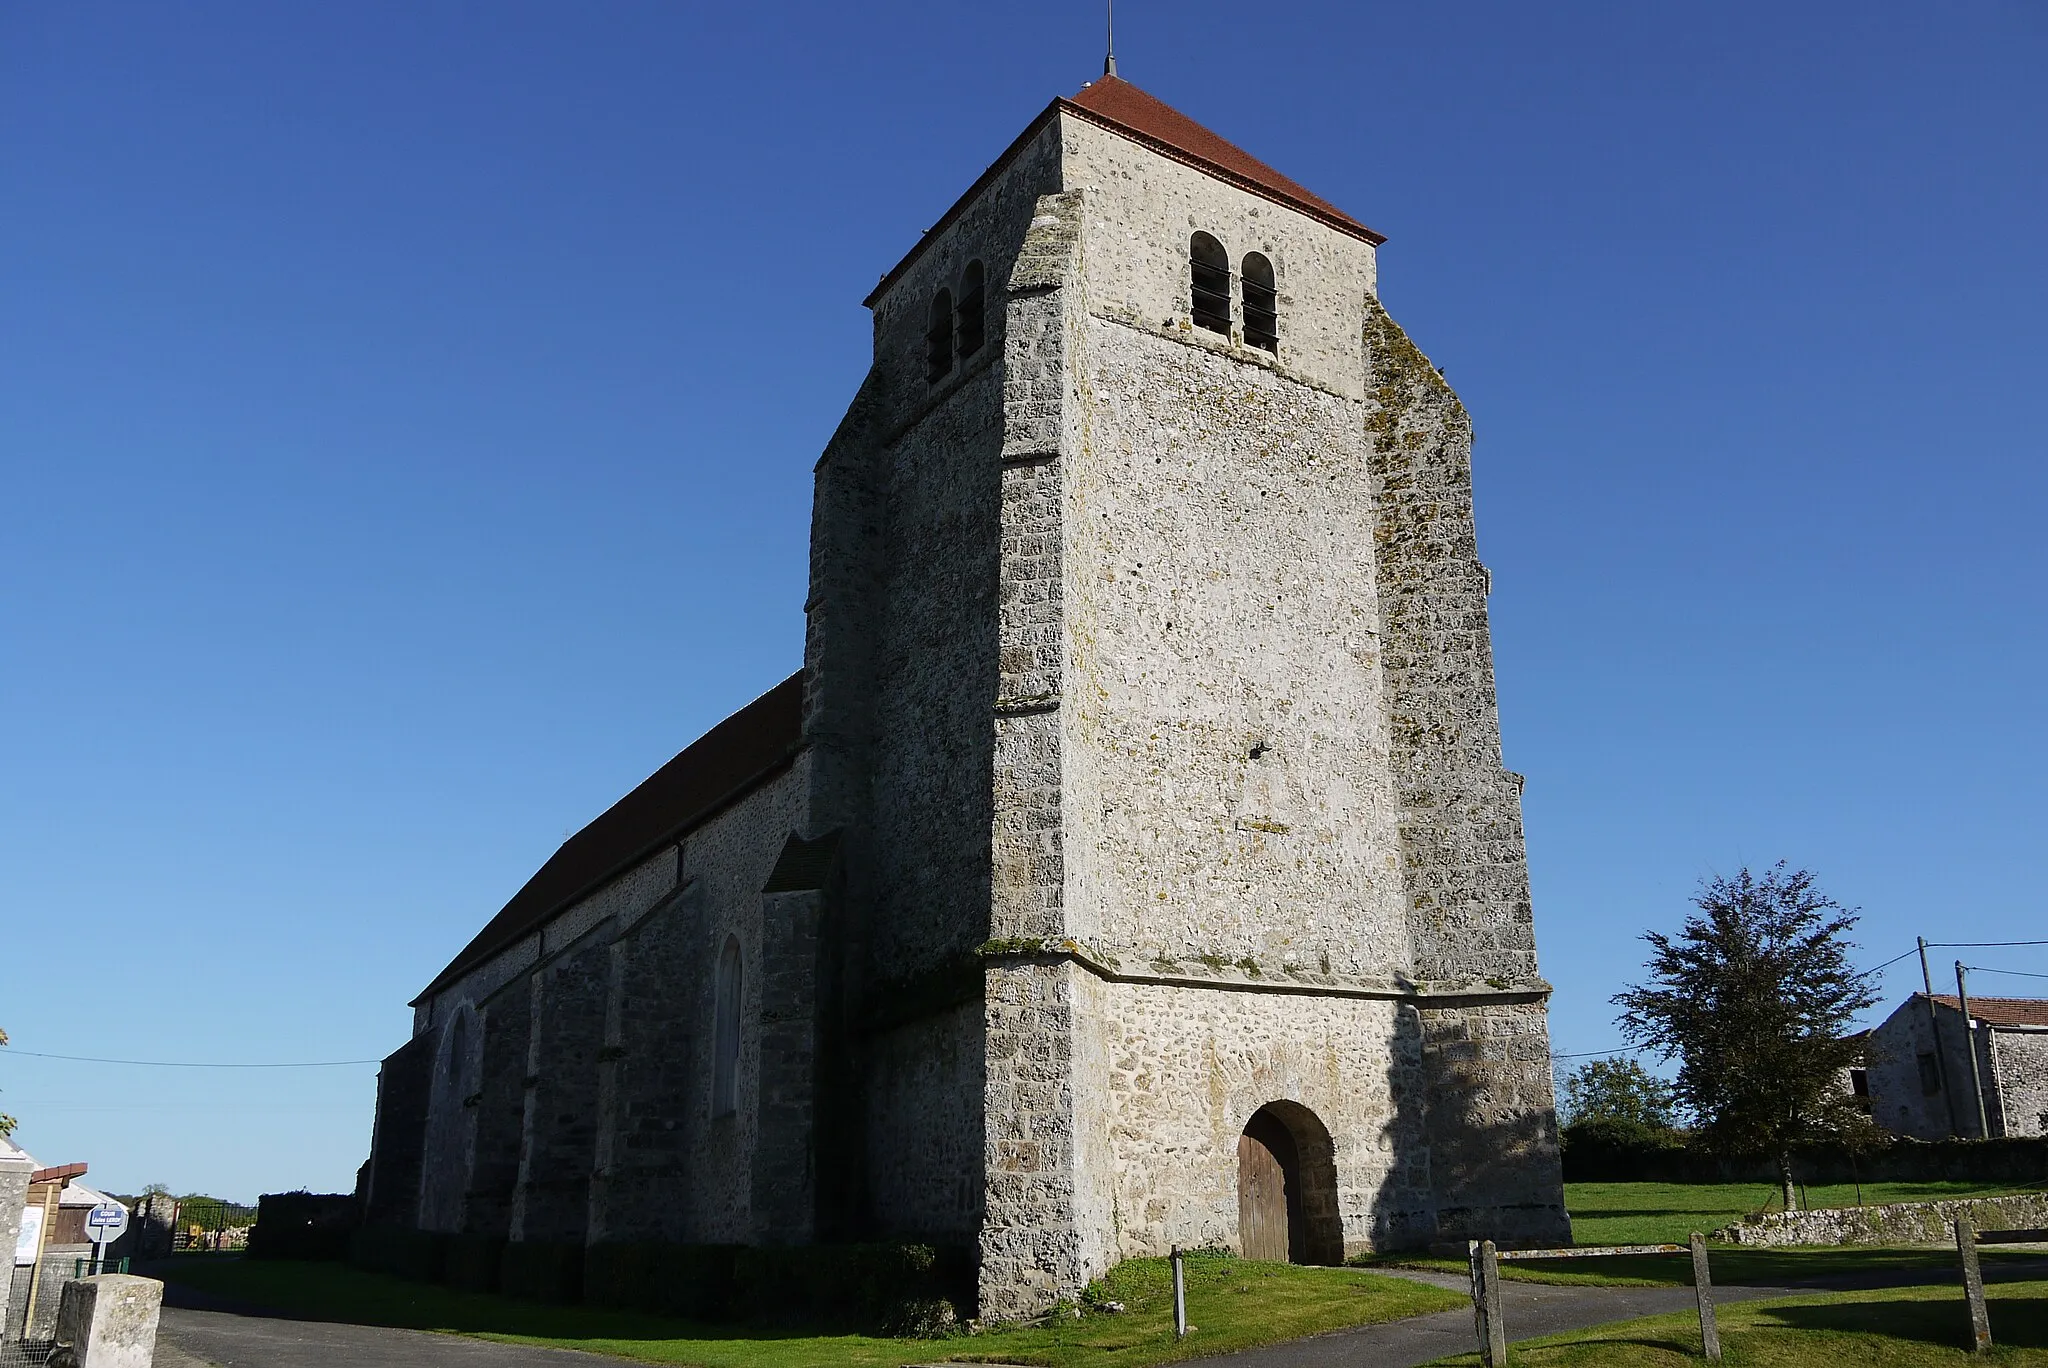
{"x": 1131, "y": 863}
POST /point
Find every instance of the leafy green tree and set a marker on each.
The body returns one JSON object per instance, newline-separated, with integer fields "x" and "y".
{"x": 1754, "y": 997}
{"x": 1617, "y": 1092}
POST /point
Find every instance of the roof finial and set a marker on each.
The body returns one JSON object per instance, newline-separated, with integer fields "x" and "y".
{"x": 1109, "y": 61}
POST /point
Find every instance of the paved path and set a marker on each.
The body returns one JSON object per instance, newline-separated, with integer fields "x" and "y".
{"x": 1530, "y": 1310}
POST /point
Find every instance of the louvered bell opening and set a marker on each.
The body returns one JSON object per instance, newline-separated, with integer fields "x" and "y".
{"x": 1209, "y": 270}
{"x": 1261, "y": 305}
{"x": 938, "y": 339}
{"x": 971, "y": 328}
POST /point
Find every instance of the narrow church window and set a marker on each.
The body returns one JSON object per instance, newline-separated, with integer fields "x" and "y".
{"x": 1209, "y": 269}
{"x": 971, "y": 330}
{"x": 725, "y": 1067}
{"x": 1261, "y": 305}
{"x": 458, "y": 1047}
{"x": 938, "y": 339}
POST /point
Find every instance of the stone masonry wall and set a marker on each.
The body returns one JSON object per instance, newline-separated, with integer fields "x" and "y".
{"x": 1186, "y": 1068}
{"x": 1492, "y": 1124}
{"x": 1460, "y": 811}
{"x": 1897, "y": 1223}
{"x": 2019, "y": 1067}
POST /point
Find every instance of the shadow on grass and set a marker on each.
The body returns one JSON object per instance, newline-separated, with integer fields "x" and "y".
{"x": 339, "y": 1294}
{"x": 2016, "y": 1322}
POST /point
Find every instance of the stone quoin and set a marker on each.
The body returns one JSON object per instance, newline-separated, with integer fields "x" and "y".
{"x": 1131, "y": 863}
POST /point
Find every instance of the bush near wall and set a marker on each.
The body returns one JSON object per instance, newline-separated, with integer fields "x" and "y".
{"x": 866, "y": 1285}
{"x": 304, "y": 1225}
{"x": 870, "y": 1286}
{"x": 420, "y": 1255}
{"x": 474, "y": 1262}
{"x": 1609, "y": 1159}
{"x": 542, "y": 1270}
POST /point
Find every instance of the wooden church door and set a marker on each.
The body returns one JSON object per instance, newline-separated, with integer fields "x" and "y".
{"x": 1265, "y": 1179}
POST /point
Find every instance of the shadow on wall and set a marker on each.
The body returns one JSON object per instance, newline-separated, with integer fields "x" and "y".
{"x": 1474, "y": 1131}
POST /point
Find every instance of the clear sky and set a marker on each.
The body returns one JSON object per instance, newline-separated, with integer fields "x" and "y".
{"x": 407, "y": 412}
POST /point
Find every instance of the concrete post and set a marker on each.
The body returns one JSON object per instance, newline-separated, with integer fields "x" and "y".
{"x": 1703, "y": 1290}
{"x": 1180, "y": 1296}
{"x": 1973, "y": 1286}
{"x": 109, "y": 1321}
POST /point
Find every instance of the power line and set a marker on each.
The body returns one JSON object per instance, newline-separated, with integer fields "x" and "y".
{"x": 1977, "y": 945}
{"x": 2016, "y": 973}
{"x": 193, "y": 1064}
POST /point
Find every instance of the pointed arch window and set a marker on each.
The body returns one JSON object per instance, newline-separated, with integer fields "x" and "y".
{"x": 1209, "y": 275}
{"x": 938, "y": 338}
{"x": 725, "y": 1035}
{"x": 1261, "y": 304}
{"x": 971, "y": 330}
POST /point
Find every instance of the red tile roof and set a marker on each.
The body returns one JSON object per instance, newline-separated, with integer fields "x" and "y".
{"x": 1116, "y": 104}
{"x": 738, "y": 754}
{"x": 2001, "y": 1011}
{"x": 1122, "y": 106}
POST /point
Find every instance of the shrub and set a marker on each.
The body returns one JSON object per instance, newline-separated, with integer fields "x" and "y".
{"x": 542, "y": 1270}
{"x": 473, "y": 1262}
{"x": 420, "y": 1255}
{"x": 303, "y": 1225}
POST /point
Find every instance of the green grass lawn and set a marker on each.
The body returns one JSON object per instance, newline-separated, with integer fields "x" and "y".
{"x": 1233, "y": 1305}
{"x": 1660, "y": 1213}
{"x": 1919, "y": 1327}
{"x": 1667, "y": 1213}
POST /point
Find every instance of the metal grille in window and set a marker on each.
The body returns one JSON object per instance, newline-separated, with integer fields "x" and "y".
{"x": 938, "y": 340}
{"x": 970, "y": 330}
{"x": 1261, "y": 305}
{"x": 1209, "y": 270}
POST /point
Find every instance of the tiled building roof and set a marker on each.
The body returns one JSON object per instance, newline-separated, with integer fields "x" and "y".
{"x": 2000, "y": 1011}
{"x": 1116, "y": 104}
{"x": 1129, "y": 110}
{"x": 739, "y": 753}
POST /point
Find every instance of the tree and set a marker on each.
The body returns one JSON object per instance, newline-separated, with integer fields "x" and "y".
{"x": 1619, "y": 1093}
{"x": 1754, "y": 998}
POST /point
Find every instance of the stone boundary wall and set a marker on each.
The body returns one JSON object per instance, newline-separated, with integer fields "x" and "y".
{"x": 1898, "y": 1223}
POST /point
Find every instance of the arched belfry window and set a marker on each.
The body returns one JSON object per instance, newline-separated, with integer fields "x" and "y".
{"x": 725, "y": 1032}
{"x": 1261, "y": 304}
{"x": 938, "y": 338}
{"x": 971, "y": 330}
{"x": 1209, "y": 271}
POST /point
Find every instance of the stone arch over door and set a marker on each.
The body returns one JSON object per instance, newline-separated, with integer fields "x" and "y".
{"x": 1287, "y": 1187}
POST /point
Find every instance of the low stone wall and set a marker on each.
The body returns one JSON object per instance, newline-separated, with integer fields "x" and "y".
{"x": 1899, "y": 1223}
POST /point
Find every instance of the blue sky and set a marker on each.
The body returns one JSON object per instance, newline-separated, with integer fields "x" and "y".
{"x": 407, "y": 412}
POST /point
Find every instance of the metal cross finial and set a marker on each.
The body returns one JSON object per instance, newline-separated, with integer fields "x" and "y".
{"x": 1109, "y": 61}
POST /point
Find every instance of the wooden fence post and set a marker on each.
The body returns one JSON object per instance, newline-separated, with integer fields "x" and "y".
{"x": 1494, "y": 1351}
{"x": 1703, "y": 1289}
{"x": 1973, "y": 1285}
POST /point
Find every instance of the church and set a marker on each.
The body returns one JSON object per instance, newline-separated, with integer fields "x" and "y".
{"x": 1131, "y": 863}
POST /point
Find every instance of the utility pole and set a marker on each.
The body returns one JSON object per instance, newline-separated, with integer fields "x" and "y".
{"x": 1948, "y": 1096}
{"x": 1970, "y": 1040}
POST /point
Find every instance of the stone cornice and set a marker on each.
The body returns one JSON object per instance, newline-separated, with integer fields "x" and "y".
{"x": 1223, "y": 976}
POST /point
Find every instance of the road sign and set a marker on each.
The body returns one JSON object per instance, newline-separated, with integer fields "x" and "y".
{"x": 105, "y": 1222}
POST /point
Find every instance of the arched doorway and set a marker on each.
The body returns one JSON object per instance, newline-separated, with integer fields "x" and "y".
{"x": 1287, "y": 1188}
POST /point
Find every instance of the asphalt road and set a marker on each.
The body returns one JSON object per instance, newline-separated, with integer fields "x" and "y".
{"x": 205, "y": 1331}
{"x": 189, "y": 1339}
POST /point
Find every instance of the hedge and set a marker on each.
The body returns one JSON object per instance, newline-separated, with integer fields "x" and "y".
{"x": 303, "y": 1225}
{"x": 1601, "y": 1159}
{"x": 873, "y": 1286}
{"x": 420, "y": 1255}
{"x": 541, "y": 1270}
